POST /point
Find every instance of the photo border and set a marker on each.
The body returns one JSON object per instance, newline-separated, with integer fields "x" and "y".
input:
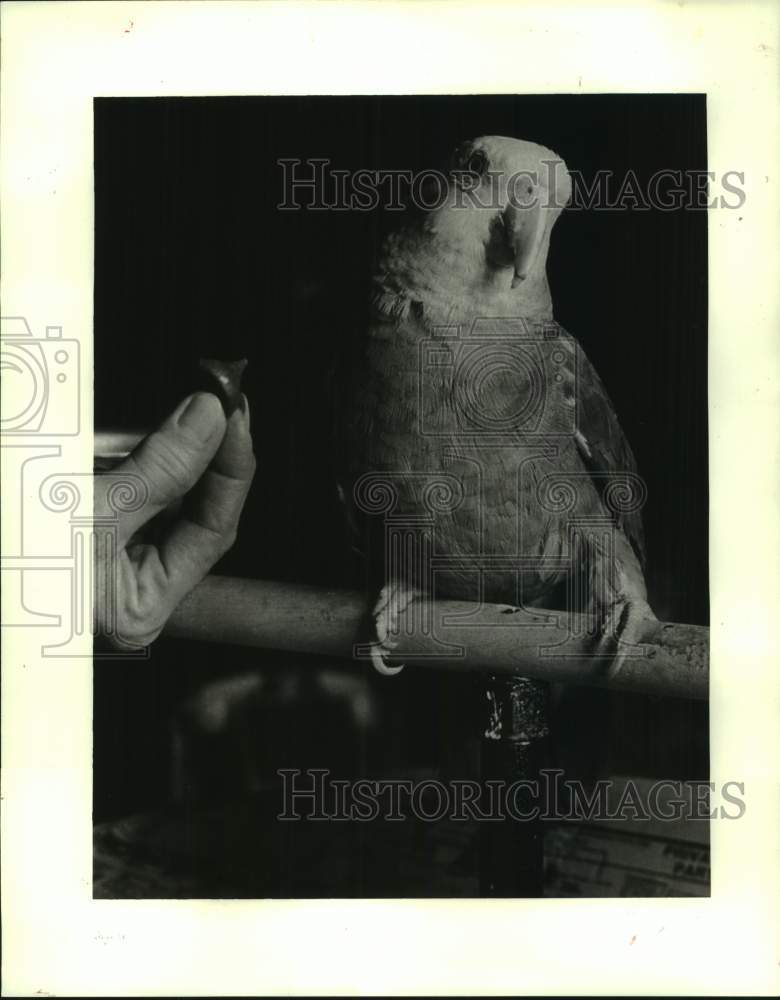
{"x": 56, "y": 58}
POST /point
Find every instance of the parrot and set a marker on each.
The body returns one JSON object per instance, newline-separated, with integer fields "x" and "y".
{"x": 461, "y": 377}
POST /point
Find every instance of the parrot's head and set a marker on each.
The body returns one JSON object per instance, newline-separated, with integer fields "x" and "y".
{"x": 506, "y": 195}
{"x": 483, "y": 244}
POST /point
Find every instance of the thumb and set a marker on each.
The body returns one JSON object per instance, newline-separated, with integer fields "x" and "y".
{"x": 172, "y": 459}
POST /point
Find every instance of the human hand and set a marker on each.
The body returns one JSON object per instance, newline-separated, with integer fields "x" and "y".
{"x": 200, "y": 458}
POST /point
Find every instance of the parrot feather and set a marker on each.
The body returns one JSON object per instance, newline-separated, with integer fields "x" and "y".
{"x": 461, "y": 375}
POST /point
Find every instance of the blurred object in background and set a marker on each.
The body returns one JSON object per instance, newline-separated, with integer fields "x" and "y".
{"x": 224, "y": 734}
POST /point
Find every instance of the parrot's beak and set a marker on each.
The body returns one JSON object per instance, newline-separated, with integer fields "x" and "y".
{"x": 526, "y": 227}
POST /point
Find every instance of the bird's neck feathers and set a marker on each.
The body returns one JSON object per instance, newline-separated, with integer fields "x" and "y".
{"x": 441, "y": 275}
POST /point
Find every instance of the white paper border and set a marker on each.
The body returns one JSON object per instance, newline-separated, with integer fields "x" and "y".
{"x": 55, "y": 58}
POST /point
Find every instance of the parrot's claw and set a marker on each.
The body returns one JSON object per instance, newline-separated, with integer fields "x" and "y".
{"x": 394, "y": 599}
{"x": 621, "y": 632}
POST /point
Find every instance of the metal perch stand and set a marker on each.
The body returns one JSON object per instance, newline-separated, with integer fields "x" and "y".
{"x": 519, "y": 652}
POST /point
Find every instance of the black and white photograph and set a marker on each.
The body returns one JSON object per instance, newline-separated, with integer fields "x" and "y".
{"x": 389, "y": 506}
{"x": 471, "y": 333}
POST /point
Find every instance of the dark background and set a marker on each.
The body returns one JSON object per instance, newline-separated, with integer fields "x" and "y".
{"x": 193, "y": 258}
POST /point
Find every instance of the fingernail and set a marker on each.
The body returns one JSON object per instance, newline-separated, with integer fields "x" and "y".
{"x": 244, "y": 407}
{"x": 200, "y": 414}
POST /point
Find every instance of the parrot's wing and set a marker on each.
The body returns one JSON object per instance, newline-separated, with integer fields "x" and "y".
{"x": 603, "y": 446}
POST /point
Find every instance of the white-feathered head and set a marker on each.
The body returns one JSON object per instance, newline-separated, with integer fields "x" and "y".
{"x": 483, "y": 242}
{"x": 510, "y": 192}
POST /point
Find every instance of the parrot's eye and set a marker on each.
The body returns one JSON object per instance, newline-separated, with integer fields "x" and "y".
{"x": 477, "y": 163}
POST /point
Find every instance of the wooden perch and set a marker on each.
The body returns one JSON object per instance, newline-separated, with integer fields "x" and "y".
{"x": 454, "y": 635}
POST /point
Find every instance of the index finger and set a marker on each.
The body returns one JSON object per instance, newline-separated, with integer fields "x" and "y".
{"x": 167, "y": 463}
{"x": 208, "y": 522}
